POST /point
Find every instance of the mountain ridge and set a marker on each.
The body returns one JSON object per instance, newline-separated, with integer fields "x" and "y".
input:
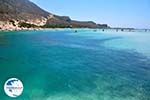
{"x": 13, "y": 12}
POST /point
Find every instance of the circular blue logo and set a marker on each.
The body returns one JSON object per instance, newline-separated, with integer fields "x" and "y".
{"x": 13, "y": 87}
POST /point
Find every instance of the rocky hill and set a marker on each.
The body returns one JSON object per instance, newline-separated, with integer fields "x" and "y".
{"x": 14, "y": 12}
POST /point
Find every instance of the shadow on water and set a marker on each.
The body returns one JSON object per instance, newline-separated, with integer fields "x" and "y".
{"x": 3, "y": 41}
{"x": 3, "y": 59}
{"x": 109, "y": 39}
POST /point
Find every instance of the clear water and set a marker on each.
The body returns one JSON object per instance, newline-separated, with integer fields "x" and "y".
{"x": 87, "y": 65}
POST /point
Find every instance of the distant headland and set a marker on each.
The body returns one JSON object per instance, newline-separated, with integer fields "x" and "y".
{"x": 24, "y": 14}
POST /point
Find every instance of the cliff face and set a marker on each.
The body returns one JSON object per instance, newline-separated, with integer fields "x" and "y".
{"x": 26, "y": 11}
{"x": 58, "y": 20}
{"x": 67, "y": 22}
{"x": 20, "y": 9}
{"x": 82, "y": 24}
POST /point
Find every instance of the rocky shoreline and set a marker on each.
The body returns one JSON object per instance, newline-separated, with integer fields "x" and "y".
{"x": 18, "y": 29}
{"x": 14, "y": 26}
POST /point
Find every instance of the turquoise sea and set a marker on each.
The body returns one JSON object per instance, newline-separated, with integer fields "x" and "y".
{"x": 87, "y": 65}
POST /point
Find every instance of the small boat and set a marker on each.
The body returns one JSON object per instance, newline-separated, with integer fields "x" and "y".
{"x": 75, "y": 31}
{"x": 95, "y": 30}
{"x": 116, "y": 30}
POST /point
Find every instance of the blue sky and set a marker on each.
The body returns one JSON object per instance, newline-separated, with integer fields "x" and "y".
{"x": 116, "y": 13}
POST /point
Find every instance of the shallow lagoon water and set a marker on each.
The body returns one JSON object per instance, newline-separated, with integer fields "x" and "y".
{"x": 87, "y": 65}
